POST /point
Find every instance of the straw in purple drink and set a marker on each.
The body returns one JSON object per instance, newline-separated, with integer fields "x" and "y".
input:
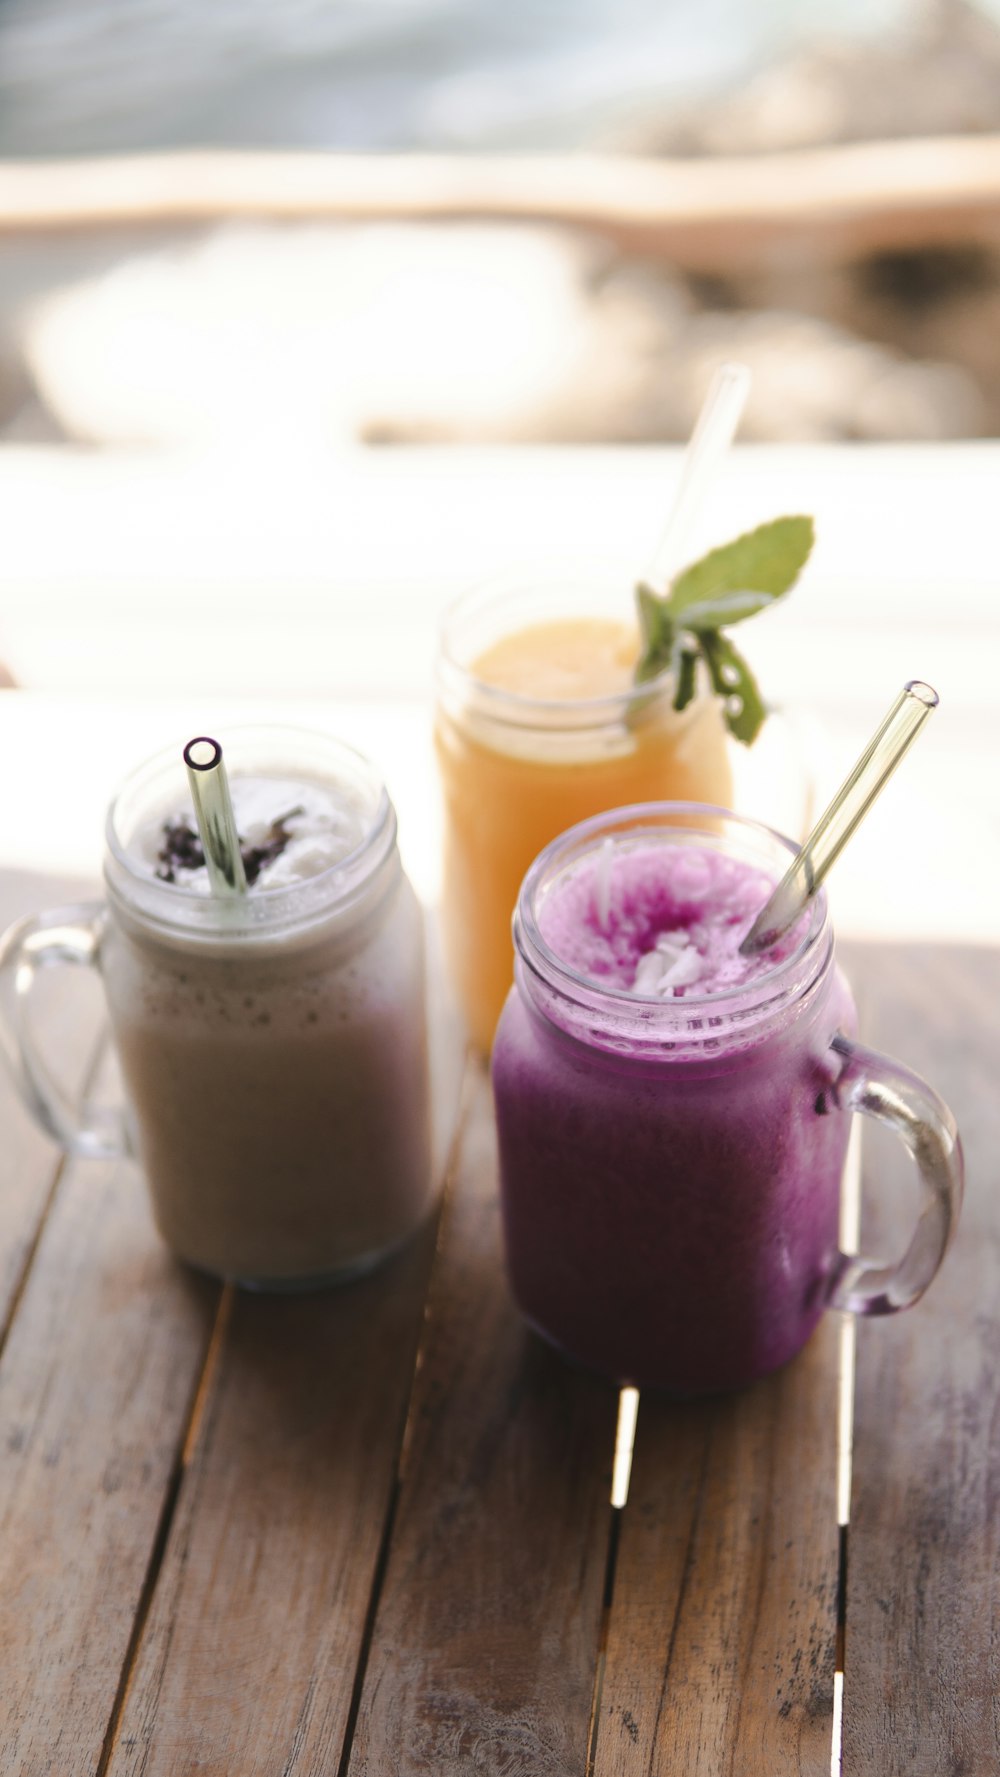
{"x": 836, "y": 824}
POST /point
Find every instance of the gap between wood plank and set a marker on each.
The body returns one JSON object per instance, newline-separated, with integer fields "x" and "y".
{"x": 850, "y": 1235}
{"x": 447, "y": 1185}
{"x": 192, "y": 1422}
{"x": 628, "y": 1413}
{"x": 406, "y": 1436}
{"x": 621, "y": 1472}
{"x": 368, "y": 1630}
{"x": 624, "y": 1441}
{"x": 610, "y": 1566}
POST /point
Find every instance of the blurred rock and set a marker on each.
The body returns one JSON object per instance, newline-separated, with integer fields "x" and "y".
{"x": 331, "y": 332}
{"x": 16, "y": 390}
{"x": 936, "y": 310}
{"x": 813, "y": 380}
{"x": 494, "y": 333}
{"x": 472, "y": 333}
{"x": 938, "y": 73}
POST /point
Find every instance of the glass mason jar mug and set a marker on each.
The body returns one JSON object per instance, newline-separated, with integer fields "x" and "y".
{"x": 272, "y": 1045}
{"x": 670, "y": 1153}
{"x": 538, "y": 725}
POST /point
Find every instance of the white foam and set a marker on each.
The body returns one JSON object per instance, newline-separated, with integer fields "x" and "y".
{"x": 325, "y": 822}
{"x": 673, "y": 962}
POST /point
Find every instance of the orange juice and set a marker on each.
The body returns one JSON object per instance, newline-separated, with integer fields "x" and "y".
{"x": 538, "y": 726}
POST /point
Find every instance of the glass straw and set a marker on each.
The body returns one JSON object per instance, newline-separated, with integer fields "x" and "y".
{"x": 213, "y": 809}
{"x": 714, "y": 431}
{"x": 836, "y": 824}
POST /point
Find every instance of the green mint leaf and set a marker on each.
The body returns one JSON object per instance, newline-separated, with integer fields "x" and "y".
{"x": 656, "y": 629}
{"x": 685, "y": 668}
{"x": 726, "y": 586}
{"x": 731, "y": 607}
{"x": 767, "y": 560}
{"x": 733, "y": 681}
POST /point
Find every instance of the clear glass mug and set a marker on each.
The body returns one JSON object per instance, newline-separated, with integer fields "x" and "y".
{"x": 671, "y": 1168}
{"x": 516, "y": 769}
{"x": 273, "y": 1048}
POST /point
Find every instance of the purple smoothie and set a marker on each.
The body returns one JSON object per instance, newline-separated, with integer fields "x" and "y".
{"x": 671, "y": 1145}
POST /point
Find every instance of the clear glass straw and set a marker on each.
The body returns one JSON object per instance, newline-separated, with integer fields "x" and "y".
{"x": 714, "y": 432}
{"x": 836, "y": 824}
{"x": 213, "y": 810}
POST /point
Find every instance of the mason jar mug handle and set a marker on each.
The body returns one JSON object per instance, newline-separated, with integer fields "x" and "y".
{"x": 42, "y": 941}
{"x": 884, "y": 1089}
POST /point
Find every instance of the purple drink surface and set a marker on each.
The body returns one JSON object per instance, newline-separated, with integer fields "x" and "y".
{"x": 671, "y": 1221}
{"x": 615, "y": 914}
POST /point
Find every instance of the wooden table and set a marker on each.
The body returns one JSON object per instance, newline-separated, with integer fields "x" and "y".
{"x": 371, "y": 1531}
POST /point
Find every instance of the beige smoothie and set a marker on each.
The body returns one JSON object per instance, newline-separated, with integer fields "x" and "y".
{"x": 273, "y": 1048}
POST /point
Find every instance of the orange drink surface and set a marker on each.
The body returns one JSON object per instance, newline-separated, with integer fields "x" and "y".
{"x": 536, "y": 729}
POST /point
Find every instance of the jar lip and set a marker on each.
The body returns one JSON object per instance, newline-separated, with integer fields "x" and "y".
{"x": 764, "y": 991}
{"x": 520, "y": 709}
{"x": 171, "y": 906}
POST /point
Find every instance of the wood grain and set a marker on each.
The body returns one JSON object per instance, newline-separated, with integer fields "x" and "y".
{"x": 721, "y": 1643}
{"x": 922, "y": 1663}
{"x": 248, "y": 1588}
{"x": 96, "y": 1384}
{"x": 249, "y": 1659}
{"x": 486, "y": 1638}
{"x": 71, "y": 1019}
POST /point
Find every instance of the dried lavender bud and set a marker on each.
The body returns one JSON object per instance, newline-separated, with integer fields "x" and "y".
{"x": 181, "y": 850}
{"x": 256, "y": 856}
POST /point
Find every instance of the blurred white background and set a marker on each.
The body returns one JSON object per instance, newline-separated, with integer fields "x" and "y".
{"x": 246, "y": 462}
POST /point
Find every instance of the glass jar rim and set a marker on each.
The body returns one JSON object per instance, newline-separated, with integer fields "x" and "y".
{"x": 755, "y": 1002}
{"x": 173, "y": 908}
{"x": 521, "y": 709}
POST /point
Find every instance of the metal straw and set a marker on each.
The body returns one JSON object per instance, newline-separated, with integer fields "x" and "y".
{"x": 213, "y": 809}
{"x": 714, "y": 431}
{"x": 848, "y": 808}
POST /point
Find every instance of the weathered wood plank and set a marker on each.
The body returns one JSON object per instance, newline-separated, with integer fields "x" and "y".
{"x": 922, "y": 1661}
{"x": 96, "y": 1384}
{"x": 721, "y": 1643}
{"x": 486, "y": 1637}
{"x": 249, "y": 1655}
{"x": 71, "y": 1018}
{"x": 249, "y": 1660}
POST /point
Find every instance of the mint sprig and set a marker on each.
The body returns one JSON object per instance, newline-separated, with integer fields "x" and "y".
{"x": 725, "y": 587}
